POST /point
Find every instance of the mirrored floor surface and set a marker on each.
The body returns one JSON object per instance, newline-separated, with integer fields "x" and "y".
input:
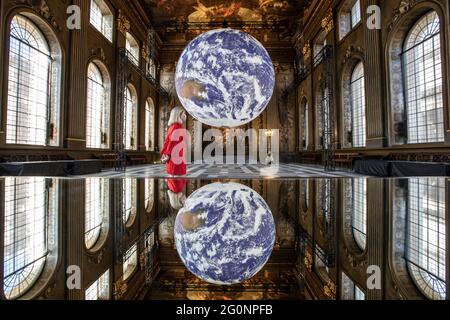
{"x": 302, "y": 239}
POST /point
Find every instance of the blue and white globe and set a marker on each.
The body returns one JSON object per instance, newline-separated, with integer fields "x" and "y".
{"x": 225, "y": 78}
{"x": 225, "y": 233}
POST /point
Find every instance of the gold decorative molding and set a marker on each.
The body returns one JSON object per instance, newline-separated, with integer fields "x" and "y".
{"x": 123, "y": 24}
{"x": 330, "y": 290}
{"x": 142, "y": 260}
{"x": 145, "y": 53}
{"x": 308, "y": 261}
{"x": 328, "y": 22}
{"x": 307, "y": 51}
{"x": 120, "y": 288}
{"x": 41, "y": 8}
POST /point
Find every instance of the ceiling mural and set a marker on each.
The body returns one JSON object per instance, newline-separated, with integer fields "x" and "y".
{"x": 204, "y": 11}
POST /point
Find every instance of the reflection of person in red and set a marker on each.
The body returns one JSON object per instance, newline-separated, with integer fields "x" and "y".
{"x": 175, "y": 146}
{"x": 175, "y": 192}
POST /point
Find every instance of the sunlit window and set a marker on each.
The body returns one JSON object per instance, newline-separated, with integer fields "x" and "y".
{"x": 30, "y": 207}
{"x": 129, "y": 198}
{"x": 426, "y": 236}
{"x": 96, "y": 209}
{"x": 151, "y": 68}
{"x": 98, "y": 108}
{"x": 319, "y": 45}
{"x": 99, "y": 290}
{"x": 349, "y": 17}
{"x": 304, "y": 125}
{"x": 132, "y": 47}
{"x": 32, "y": 112}
{"x": 130, "y": 118}
{"x": 358, "y": 103}
{"x": 356, "y": 13}
{"x": 304, "y": 194}
{"x": 359, "y": 212}
{"x": 149, "y": 194}
{"x": 323, "y": 119}
{"x": 130, "y": 262}
{"x": 102, "y": 18}
{"x": 423, "y": 81}
{"x": 149, "y": 125}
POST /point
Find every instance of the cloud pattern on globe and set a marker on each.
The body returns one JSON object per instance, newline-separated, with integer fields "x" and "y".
{"x": 225, "y": 233}
{"x": 225, "y": 78}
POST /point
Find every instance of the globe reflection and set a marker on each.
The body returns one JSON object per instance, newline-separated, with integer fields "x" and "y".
{"x": 225, "y": 233}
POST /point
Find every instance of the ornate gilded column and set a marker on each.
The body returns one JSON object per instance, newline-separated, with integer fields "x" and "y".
{"x": 375, "y": 112}
{"x": 76, "y": 107}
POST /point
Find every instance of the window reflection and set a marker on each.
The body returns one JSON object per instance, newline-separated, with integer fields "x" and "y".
{"x": 99, "y": 290}
{"x": 30, "y": 207}
{"x": 426, "y": 236}
{"x": 96, "y": 209}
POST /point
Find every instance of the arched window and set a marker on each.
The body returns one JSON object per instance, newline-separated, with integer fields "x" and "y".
{"x": 102, "y": 18}
{"x": 149, "y": 125}
{"x": 30, "y": 221}
{"x": 321, "y": 264}
{"x": 129, "y": 197}
{"x": 130, "y": 118}
{"x": 33, "y": 84}
{"x": 323, "y": 117}
{"x": 130, "y": 262}
{"x": 149, "y": 194}
{"x": 319, "y": 45}
{"x": 349, "y": 17}
{"x": 358, "y": 104}
{"x": 304, "y": 138}
{"x": 359, "y": 212}
{"x": 422, "y": 68}
{"x": 325, "y": 191}
{"x": 151, "y": 69}
{"x": 96, "y": 210}
{"x": 426, "y": 236}
{"x": 132, "y": 47}
{"x": 304, "y": 184}
{"x": 98, "y": 107}
{"x": 99, "y": 290}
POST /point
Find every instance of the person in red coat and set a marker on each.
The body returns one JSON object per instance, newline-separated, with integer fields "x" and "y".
{"x": 175, "y": 146}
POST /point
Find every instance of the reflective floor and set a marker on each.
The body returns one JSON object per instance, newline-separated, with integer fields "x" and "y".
{"x": 129, "y": 238}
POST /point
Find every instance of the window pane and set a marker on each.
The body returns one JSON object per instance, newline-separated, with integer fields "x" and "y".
{"x": 28, "y": 85}
{"x": 356, "y": 13}
{"x": 29, "y": 202}
{"x": 423, "y": 81}
{"x": 358, "y": 103}
{"x": 359, "y": 212}
{"x": 129, "y": 197}
{"x": 130, "y": 119}
{"x": 130, "y": 262}
{"x": 101, "y": 18}
{"x": 96, "y": 209}
{"x": 97, "y": 117}
{"x": 133, "y": 49}
{"x": 149, "y": 125}
{"x": 99, "y": 290}
{"x": 426, "y": 237}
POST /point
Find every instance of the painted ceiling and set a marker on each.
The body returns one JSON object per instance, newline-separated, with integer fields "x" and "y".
{"x": 205, "y": 11}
